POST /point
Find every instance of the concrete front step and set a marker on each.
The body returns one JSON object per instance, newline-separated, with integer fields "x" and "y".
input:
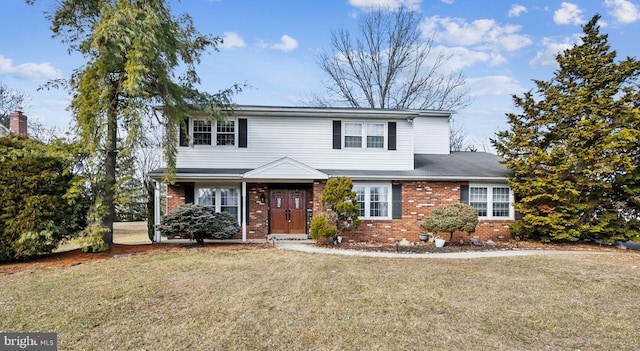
{"x": 287, "y": 236}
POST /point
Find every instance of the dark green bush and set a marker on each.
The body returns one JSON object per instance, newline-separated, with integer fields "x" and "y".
{"x": 39, "y": 197}
{"x": 320, "y": 228}
{"x": 197, "y": 222}
{"x": 452, "y": 218}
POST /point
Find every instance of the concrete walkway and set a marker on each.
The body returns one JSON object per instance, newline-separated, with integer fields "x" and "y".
{"x": 308, "y": 246}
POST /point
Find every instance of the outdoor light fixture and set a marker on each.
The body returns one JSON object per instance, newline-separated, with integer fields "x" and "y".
{"x": 262, "y": 199}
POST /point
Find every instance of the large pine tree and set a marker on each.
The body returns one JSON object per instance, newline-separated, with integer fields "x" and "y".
{"x": 135, "y": 51}
{"x": 575, "y": 147}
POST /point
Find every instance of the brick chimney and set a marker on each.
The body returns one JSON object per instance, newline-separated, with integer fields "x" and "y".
{"x": 18, "y": 123}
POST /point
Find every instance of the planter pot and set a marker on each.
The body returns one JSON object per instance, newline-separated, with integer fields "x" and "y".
{"x": 424, "y": 237}
{"x": 439, "y": 242}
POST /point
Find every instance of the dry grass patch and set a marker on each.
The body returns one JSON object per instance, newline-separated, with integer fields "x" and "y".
{"x": 271, "y": 299}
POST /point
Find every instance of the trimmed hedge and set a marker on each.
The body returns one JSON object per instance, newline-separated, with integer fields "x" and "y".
{"x": 197, "y": 222}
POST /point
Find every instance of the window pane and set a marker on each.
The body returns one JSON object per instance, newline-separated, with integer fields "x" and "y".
{"x": 353, "y": 135}
{"x": 500, "y": 202}
{"x": 201, "y": 132}
{"x": 229, "y": 202}
{"x": 207, "y": 196}
{"x": 375, "y": 135}
{"x": 360, "y": 199}
{"x": 225, "y": 133}
{"x": 500, "y": 209}
{"x": 478, "y": 199}
{"x": 352, "y": 141}
{"x": 378, "y": 201}
{"x": 481, "y": 208}
{"x": 353, "y": 129}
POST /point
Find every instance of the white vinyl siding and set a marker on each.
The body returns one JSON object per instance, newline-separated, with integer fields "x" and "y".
{"x": 431, "y": 135}
{"x": 306, "y": 140}
{"x": 374, "y": 200}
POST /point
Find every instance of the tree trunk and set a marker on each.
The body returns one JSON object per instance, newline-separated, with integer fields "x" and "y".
{"x": 110, "y": 170}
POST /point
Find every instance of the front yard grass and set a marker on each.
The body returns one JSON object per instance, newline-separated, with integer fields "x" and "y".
{"x": 274, "y": 300}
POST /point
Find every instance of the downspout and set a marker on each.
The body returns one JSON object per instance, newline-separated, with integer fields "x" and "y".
{"x": 156, "y": 211}
{"x": 244, "y": 212}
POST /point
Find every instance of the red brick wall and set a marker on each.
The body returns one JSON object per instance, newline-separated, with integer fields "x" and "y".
{"x": 258, "y": 219}
{"x": 418, "y": 199}
{"x": 175, "y": 196}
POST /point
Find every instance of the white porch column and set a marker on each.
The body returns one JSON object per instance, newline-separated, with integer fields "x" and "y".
{"x": 244, "y": 212}
{"x": 156, "y": 211}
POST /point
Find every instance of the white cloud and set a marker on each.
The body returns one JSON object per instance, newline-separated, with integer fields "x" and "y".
{"x": 624, "y": 11}
{"x": 31, "y": 71}
{"x": 493, "y": 85}
{"x": 568, "y": 13}
{"x": 516, "y": 10}
{"x": 481, "y": 33}
{"x": 389, "y": 4}
{"x": 448, "y": 2}
{"x": 232, "y": 40}
{"x": 462, "y": 57}
{"x": 547, "y": 56}
{"x": 286, "y": 44}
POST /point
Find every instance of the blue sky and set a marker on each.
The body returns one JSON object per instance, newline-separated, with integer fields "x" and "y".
{"x": 499, "y": 45}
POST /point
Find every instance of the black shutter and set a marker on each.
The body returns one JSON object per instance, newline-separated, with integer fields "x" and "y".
{"x": 184, "y": 133}
{"x": 189, "y": 195}
{"x": 464, "y": 194}
{"x": 391, "y": 126}
{"x": 518, "y": 214}
{"x": 396, "y": 208}
{"x": 242, "y": 132}
{"x": 337, "y": 134}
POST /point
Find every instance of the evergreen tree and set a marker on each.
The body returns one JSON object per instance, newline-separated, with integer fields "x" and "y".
{"x": 40, "y": 197}
{"x": 133, "y": 50}
{"x": 575, "y": 147}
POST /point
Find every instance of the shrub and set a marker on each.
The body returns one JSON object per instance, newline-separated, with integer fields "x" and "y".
{"x": 320, "y": 228}
{"x": 340, "y": 203}
{"x": 39, "y": 199}
{"x": 197, "y": 222}
{"x": 452, "y": 218}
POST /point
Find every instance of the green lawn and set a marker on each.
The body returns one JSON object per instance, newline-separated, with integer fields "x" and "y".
{"x": 274, "y": 300}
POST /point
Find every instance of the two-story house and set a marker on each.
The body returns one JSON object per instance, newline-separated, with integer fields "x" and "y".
{"x": 267, "y": 166}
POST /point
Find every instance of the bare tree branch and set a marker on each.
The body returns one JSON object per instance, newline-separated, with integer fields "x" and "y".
{"x": 389, "y": 64}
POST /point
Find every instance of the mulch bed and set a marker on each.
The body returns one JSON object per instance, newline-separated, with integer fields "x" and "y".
{"x": 466, "y": 247}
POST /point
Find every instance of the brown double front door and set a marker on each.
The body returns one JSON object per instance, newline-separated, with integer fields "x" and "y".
{"x": 288, "y": 211}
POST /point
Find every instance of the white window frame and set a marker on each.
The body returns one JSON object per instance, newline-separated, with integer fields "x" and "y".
{"x": 367, "y": 200}
{"x": 217, "y": 196}
{"x": 214, "y": 132}
{"x": 363, "y": 136}
{"x": 490, "y": 188}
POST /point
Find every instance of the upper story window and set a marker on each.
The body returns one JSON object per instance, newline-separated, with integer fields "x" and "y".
{"x": 226, "y": 133}
{"x": 491, "y": 201}
{"x": 201, "y": 132}
{"x": 204, "y": 132}
{"x": 364, "y": 135}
